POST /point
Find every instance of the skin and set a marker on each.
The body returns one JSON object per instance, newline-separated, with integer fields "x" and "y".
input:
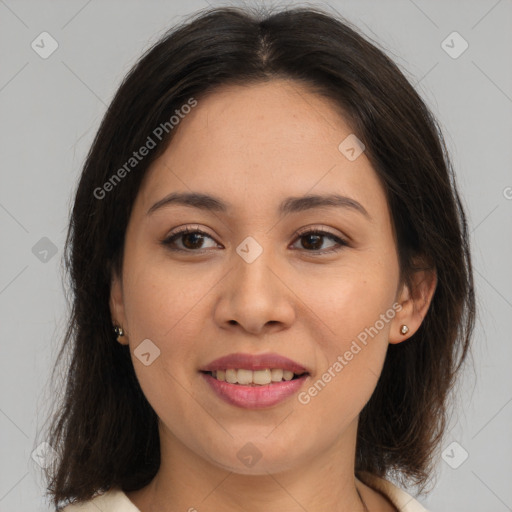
{"x": 253, "y": 146}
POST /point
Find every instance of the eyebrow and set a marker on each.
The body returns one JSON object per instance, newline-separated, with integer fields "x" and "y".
{"x": 288, "y": 205}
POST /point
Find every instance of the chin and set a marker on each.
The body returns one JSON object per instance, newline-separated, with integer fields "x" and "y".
{"x": 260, "y": 468}
{"x": 254, "y": 459}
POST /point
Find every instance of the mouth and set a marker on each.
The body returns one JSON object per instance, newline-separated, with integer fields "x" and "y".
{"x": 246, "y": 377}
{"x": 251, "y": 395}
{"x": 255, "y": 381}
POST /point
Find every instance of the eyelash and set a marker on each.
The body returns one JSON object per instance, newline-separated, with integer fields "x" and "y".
{"x": 169, "y": 241}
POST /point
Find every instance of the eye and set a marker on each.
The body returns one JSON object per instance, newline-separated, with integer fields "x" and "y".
{"x": 314, "y": 240}
{"x": 191, "y": 238}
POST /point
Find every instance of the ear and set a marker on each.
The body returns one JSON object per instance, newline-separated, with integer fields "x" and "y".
{"x": 117, "y": 305}
{"x": 415, "y": 299}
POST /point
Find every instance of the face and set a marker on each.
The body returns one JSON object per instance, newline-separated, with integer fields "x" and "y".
{"x": 318, "y": 284}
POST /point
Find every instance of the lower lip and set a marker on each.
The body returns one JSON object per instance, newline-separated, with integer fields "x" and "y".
{"x": 255, "y": 397}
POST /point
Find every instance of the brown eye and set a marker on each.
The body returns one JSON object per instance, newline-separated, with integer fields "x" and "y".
{"x": 313, "y": 240}
{"x": 191, "y": 240}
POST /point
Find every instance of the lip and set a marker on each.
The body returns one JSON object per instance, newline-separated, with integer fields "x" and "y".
{"x": 255, "y": 397}
{"x": 254, "y": 362}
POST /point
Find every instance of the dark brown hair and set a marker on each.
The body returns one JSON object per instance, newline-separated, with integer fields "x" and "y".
{"x": 104, "y": 431}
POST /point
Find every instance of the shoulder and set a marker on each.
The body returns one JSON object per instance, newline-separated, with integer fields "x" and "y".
{"x": 113, "y": 500}
{"x": 398, "y": 497}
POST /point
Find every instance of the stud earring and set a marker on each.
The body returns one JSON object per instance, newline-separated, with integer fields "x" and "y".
{"x": 119, "y": 331}
{"x": 404, "y": 329}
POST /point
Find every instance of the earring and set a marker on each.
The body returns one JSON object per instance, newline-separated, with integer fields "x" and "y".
{"x": 404, "y": 329}
{"x": 119, "y": 331}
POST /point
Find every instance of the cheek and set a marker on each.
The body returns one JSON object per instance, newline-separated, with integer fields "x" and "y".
{"x": 163, "y": 307}
{"x": 353, "y": 296}
{"x": 356, "y": 310}
{"x": 163, "y": 299}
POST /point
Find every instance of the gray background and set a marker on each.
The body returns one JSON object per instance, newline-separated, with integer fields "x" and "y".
{"x": 50, "y": 109}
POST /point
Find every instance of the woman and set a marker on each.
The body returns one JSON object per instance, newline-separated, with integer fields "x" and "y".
{"x": 272, "y": 279}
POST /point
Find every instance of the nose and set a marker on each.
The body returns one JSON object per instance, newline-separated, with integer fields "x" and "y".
{"x": 256, "y": 296}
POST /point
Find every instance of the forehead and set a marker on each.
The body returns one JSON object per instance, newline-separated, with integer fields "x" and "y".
{"x": 276, "y": 115}
{"x": 264, "y": 140}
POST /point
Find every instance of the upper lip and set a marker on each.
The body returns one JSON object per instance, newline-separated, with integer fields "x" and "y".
{"x": 254, "y": 362}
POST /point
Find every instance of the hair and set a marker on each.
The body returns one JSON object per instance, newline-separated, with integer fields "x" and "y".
{"x": 105, "y": 432}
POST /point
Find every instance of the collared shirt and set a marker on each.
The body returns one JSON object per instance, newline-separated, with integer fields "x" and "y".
{"x": 115, "y": 500}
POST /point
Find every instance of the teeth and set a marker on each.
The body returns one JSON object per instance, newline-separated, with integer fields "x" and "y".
{"x": 231, "y": 376}
{"x": 244, "y": 377}
{"x": 287, "y": 375}
{"x": 277, "y": 374}
{"x": 249, "y": 377}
